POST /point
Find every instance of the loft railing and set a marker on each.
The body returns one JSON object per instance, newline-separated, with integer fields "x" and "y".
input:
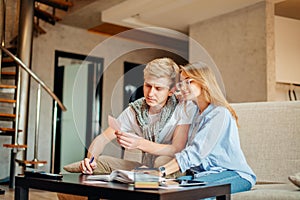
{"x": 49, "y": 91}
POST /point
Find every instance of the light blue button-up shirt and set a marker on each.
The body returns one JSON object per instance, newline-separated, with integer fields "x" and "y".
{"x": 214, "y": 145}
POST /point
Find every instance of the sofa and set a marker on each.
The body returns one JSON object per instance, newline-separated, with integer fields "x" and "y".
{"x": 270, "y": 139}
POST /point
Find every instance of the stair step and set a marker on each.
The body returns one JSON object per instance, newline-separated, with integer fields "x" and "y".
{"x": 7, "y": 59}
{"x": 63, "y": 5}
{"x": 8, "y": 62}
{"x": 7, "y": 116}
{"x": 12, "y": 49}
{"x": 7, "y": 132}
{"x": 4, "y": 132}
{"x": 8, "y": 86}
{"x": 31, "y": 163}
{"x": 3, "y": 129}
{"x": 7, "y": 101}
{"x": 47, "y": 17}
{"x": 15, "y": 146}
{"x": 7, "y": 73}
{"x": 7, "y": 129}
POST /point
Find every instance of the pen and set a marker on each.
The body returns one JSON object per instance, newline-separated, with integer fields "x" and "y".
{"x": 92, "y": 159}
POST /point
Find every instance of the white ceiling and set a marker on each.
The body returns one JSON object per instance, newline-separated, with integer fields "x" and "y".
{"x": 173, "y": 14}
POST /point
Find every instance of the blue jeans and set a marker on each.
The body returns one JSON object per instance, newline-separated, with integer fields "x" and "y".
{"x": 238, "y": 184}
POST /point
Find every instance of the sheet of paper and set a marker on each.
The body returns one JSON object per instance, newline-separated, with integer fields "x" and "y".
{"x": 99, "y": 177}
{"x": 114, "y": 123}
{"x": 95, "y": 182}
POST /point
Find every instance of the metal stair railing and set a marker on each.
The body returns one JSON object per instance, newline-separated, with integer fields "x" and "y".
{"x": 2, "y": 29}
{"x": 35, "y": 77}
{"x": 49, "y": 91}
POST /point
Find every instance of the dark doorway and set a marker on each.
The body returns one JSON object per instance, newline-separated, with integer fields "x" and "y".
{"x": 78, "y": 83}
{"x": 133, "y": 82}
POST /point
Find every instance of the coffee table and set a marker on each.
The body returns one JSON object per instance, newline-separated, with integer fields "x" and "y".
{"x": 76, "y": 184}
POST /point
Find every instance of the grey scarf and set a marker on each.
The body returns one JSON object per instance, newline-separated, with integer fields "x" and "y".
{"x": 142, "y": 115}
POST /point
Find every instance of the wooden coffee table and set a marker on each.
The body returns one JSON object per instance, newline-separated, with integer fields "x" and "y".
{"x": 76, "y": 184}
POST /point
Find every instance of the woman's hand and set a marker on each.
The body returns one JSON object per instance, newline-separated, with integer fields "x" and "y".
{"x": 128, "y": 140}
{"x": 87, "y": 167}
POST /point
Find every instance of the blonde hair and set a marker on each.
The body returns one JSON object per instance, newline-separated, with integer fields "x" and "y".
{"x": 163, "y": 68}
{"x": 203, "y": 75}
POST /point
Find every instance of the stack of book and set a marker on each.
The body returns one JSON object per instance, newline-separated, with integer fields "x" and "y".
{"x": 146, "y": 178}
{"x": 142, "y": 178}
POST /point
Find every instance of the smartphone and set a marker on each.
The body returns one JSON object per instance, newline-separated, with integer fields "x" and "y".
{"x": 42, "y": 174}
{"x": 189, "y": 183}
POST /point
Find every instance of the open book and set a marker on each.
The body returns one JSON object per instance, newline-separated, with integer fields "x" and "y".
{"x": 122, "y": 176}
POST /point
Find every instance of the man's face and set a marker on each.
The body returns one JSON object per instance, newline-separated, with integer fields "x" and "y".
{"x": 156, "y": 91}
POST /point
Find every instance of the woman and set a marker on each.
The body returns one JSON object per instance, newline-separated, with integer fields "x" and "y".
{"x": 213, "y": 153}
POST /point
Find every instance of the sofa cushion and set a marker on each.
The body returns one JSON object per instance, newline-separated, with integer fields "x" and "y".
{"x": 295, "y": 179}
{"x": 270, "y": 138}
{"x": 269, "y": 192}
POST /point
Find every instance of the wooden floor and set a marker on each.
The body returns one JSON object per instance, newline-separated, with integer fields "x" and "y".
{"x": 33, "y": 194}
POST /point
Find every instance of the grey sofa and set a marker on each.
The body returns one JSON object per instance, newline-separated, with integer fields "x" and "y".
{"x": 270, "y": 138}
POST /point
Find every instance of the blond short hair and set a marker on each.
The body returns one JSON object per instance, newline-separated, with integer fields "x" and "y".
{"x": 162, "y": 68}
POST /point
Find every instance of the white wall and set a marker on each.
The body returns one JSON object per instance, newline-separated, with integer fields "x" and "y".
{"x": 238, "y": 43}
{"x": 287, "y": 47}
{"x": 254, "y": 51}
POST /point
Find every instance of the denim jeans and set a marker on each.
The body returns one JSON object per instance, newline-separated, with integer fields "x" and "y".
{"x": 238, "y": 184}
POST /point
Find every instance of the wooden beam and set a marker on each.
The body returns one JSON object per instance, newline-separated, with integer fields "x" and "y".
{"x": 110, "y": 29}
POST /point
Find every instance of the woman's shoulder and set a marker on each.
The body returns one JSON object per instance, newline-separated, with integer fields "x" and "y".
{"x": 220, "y": 110}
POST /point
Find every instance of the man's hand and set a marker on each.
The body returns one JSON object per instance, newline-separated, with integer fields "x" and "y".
{"x": 87, "y": 167}
{"x": 128, "y": 140}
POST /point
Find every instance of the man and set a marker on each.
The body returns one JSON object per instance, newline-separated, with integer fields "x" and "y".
{"x": 155, "y": 124}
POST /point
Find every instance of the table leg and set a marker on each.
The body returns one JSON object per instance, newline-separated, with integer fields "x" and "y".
{"x": 93, "y": 197}
{"x": 223, "y": 197}
{"x": 21, "y": 193}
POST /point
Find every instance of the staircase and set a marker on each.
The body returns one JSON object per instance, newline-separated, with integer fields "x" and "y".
{"x": 11, "y": 68}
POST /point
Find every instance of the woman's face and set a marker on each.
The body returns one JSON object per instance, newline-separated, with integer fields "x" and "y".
{"x": 187, "y": 88}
